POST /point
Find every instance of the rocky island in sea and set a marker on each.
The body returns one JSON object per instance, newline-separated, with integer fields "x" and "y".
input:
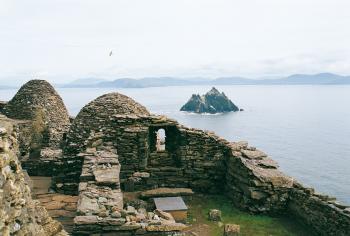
{"x": 211, "y": 102}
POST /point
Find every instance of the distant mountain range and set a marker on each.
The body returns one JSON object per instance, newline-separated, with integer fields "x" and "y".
{"x": 297, "y": 79}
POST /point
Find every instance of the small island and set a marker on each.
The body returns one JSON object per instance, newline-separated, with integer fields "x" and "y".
{"x": 212, "y": 102}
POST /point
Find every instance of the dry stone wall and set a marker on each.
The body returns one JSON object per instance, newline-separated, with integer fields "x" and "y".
{"x": 19, "y": 214}
{"x": 254, "y": 182}
{"x": 321, "y": 212}
{"x": 100, "y": 205}
{"x": 46, "y": 165}
{"x": 192, "y": 158}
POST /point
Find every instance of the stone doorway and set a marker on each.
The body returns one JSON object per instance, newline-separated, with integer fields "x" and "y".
{"x": 160, "y": 140}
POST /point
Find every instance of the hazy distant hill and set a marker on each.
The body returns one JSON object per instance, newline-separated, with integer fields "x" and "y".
{"x": 323, "y": 78}
{"x": 232, "y": 81}
{"x": 296, "y": 79}
{"x": 317, "y": 79}
{"x": 147, "y": 82}
{"x": 85, "y": 82}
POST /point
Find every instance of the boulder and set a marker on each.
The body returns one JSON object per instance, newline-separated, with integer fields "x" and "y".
{"x": 231, "y": 230}
{"x": 214, "y": 215}
{"x": 164, "y": 215}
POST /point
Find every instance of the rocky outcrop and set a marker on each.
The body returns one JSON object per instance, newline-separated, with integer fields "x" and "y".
{"x": 19, "y": 214}
{"x": 212, "y": 102}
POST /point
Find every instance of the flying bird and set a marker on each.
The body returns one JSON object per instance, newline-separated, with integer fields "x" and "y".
{"x": 111, "y": 53}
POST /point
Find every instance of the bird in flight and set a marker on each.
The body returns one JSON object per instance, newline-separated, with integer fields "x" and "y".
{"x": 111, "y": 53}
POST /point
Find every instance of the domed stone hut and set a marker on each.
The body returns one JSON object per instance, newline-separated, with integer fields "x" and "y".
{"x": 97, "y": 115}
{"x": 38, "y": 101}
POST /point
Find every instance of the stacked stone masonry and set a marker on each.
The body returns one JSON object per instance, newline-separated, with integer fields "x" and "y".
{"x": 100, "y": 205}
{"x": 19, "y": 214}
{"x": 38, "y": 99}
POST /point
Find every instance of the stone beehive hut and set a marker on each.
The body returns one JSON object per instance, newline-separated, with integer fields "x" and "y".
{"x": 39, "y": 96}
{"x": 96, "y": 116}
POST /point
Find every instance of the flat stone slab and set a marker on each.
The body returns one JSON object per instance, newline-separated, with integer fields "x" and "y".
{"x": 108, "y": 175}
{"x": 87, "y": 205}
{"x": 50, "y": 154}
{"x": 166, "y": 192}
{"x": 170, "y": 204}
{"x": 267, "y": 163}
{"x": 85, "y": 220}
{"x": 273, "y": 176}
{"x": 166, "y": 227}
{"x": 253, "y": 154}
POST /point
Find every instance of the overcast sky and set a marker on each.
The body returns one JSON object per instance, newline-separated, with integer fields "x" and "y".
{"x": 61, "y": 40}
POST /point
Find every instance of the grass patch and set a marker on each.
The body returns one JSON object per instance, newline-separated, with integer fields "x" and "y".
{"x": 257, "y": 225}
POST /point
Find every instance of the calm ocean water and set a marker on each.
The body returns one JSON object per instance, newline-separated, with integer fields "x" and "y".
{"x": 305, "y": 128}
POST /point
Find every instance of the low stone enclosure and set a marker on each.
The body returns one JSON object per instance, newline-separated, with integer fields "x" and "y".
{"x": 113, "y": 145}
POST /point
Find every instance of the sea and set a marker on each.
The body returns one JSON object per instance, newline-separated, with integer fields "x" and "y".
{"x": 305, "y": 128}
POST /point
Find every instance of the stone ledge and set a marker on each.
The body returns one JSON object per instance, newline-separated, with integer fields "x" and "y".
{"x": 166, "y": 192}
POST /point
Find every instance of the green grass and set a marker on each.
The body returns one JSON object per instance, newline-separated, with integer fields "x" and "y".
{"x": 252, "y": 225}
